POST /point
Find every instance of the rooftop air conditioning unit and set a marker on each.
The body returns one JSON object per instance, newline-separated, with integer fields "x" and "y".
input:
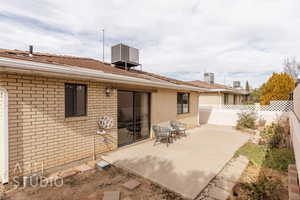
{"x": 236, "y": 84}
{"x": 209, "y": 78}
{"x": 124, "y": 56}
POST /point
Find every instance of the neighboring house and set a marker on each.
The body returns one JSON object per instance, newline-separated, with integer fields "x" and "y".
{"x": 220, "y": 94}
{"x": 54, "y": 103}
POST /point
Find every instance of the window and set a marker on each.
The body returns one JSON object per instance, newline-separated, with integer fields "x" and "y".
{"x": 183, "y": 103}
{"x": 75, "y": 100}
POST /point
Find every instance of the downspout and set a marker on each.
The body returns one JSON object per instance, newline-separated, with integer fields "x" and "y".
{"x": 198, "y": 116}
{"x": 4, "y": 145}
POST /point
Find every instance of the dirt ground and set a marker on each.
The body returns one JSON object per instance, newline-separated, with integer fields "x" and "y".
{"x": 90, "y": 185}
{"x": 251, "y": 174}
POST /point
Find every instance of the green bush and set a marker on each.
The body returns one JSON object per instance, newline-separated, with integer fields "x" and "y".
{"x": 246, "y": 120}
{"x": 264, "y": 188}
{"x": 279, "y": 159}
{"x": 273, "y": 136}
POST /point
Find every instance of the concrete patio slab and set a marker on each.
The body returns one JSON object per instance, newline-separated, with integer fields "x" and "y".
{"x": 188, "y": 164}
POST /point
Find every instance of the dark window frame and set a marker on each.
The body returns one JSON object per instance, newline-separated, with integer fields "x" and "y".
{"x": 70, "y": 110}
{"x": 181, "y": 103}
{"x": 234, "y": 99}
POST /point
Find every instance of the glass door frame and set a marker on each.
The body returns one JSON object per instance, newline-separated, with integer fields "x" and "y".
{"x": 134, "y": 117}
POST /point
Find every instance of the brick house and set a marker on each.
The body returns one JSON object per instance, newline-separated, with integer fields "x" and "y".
{"x": 50, "y": 106}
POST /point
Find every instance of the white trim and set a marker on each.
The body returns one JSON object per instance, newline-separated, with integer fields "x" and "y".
{"x": 61, "y": 70}
{"x": 4, "y": 144}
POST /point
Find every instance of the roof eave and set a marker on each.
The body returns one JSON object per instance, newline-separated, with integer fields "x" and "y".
{"x": 60, "y": 70}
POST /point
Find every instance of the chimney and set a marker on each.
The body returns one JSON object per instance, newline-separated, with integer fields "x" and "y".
{"x": 209, "y": 78}
{"x": 30, "y": 50}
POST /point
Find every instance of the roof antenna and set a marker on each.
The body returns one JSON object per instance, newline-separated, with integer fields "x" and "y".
{"x": 103, "y": 45}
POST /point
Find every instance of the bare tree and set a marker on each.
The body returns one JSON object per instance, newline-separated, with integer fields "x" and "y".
{"x": 291, "y": 67}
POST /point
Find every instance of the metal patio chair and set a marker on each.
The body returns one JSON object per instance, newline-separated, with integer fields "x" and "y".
{"x": 162, "y": 133}
{"x": 178, "y": 127}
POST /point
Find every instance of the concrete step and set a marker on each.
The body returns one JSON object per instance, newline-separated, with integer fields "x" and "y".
{"x": 221, "y": 187}
{"x": 218, "y": 193}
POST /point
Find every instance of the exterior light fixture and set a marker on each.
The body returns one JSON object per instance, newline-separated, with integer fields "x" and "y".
{"x": 108, "y": 92}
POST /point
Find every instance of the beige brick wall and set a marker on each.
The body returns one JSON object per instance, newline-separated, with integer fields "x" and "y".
{"x": 40, "y": 133}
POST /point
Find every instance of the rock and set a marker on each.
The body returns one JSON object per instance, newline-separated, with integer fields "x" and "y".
{"x": 67, "y": 174}
{"x": 132, "y": 184}
{"x": 83, "y": 168}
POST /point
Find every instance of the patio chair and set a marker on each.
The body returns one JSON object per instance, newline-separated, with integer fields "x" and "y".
{"x": 162, "y": 133}
{"x": 178, "y": 127}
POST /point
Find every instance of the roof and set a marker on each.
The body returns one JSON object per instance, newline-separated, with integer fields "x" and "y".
{"x": 218, "y": 87}
{"x": 88, "y": 63}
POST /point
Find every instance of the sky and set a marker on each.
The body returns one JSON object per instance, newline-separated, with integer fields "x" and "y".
{"x": 236, "y": 40}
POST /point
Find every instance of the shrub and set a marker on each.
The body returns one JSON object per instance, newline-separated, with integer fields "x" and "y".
{"x": 261, "y": 122}
{"x": 246, "y": 120}
{"x": 264, "y": 188}
{"x": 279, "y": 159}
{"x": 275, "y": 135}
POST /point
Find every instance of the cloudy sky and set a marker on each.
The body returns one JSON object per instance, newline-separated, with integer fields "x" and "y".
{"x": 237, "y": 40}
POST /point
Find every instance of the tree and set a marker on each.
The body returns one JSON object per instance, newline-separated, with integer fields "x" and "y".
{"x": 247, "y": 87}
{"x": 291, "y": 67}
{"x": 254, "y": 96}
{"x": 278, "y": 87}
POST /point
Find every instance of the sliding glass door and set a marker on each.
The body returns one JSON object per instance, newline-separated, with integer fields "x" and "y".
{"x": 133, "y": 116}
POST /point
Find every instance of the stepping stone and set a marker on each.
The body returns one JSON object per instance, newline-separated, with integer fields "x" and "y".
{"x": 132, "y": 184}
{"x": 111, "y": 195}
{"x": 83, "y": 168}
{"x": 218, "y": 193}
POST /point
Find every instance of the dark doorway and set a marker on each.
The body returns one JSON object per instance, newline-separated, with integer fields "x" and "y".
{"x": 133, "y": 116}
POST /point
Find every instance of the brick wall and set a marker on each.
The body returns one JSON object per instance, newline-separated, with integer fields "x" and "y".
{"x": 39, "y": 133}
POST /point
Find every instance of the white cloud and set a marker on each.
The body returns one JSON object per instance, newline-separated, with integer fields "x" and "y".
{"x": 179, "y": 38}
